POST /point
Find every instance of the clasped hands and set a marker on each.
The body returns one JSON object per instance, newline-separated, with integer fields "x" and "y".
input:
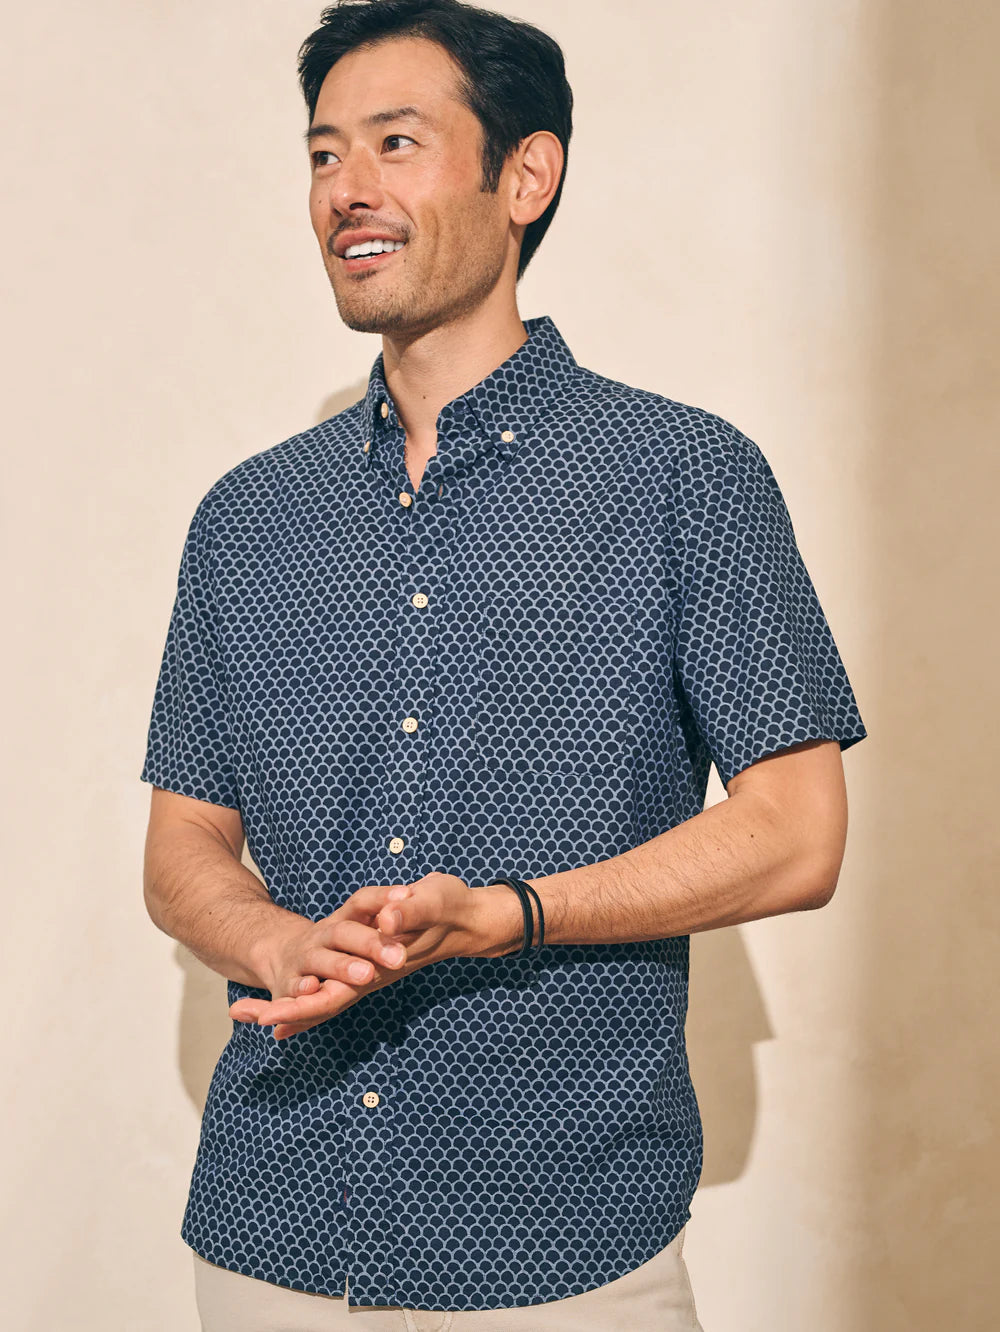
{"x": 316, "y": 969}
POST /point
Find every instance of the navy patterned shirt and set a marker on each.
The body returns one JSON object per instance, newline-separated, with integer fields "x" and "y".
{"x": 524, "y": 666}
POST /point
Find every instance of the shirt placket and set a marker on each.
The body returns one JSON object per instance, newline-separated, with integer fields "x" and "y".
{"x": 420, "y": 575}
{"x": 410, "y": 717}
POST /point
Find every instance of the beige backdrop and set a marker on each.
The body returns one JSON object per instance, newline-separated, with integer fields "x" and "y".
{"x": 810, "y": 188}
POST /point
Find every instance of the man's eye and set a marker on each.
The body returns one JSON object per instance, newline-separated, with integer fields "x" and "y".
{"x": 391, "y": 140}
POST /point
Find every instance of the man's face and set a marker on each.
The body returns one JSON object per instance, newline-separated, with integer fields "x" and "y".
{"x": 412, "y": 177}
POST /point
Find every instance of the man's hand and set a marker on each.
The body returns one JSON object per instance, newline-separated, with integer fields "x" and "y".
{"x": 321, "y": 960}
{"x": 436, "y": 917}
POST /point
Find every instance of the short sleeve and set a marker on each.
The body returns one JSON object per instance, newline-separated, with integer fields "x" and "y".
{"x": 188, "y": 747}
{"x": 754, "y": 654}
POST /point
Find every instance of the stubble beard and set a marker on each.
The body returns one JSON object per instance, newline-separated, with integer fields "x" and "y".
{"x": 400, "y": 312}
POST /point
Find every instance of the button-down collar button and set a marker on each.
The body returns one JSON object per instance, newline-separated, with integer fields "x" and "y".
{"x": 419, "y": 600}
{"x": 507, "y": 436}
{"x": 405, "y": 499}
{"x": 385, "y": 410}
{"x": 409, "y": 724}
{"x": 396, "y": 845}
{"x": 371, "y": 1098}
{"x": 368, "y": 445}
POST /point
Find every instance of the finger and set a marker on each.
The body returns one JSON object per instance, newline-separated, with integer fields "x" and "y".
{"x": 364, "y": 903}
{"x": 348, "y": 966}
{"x": 304, "y": 1007}
{"x": 360, "y": 940}
{"x": 331, "y": 999}
{"x": 246, "y": 1010}
{"x": 401, "y": 918}
{"x": 406, "y": 919}
{"x": 258, "y": 1016}
{"x": 285, "y": 1029}
{"x": 265, "y": 1011}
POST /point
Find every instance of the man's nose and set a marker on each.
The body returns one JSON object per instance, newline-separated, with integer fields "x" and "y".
{"x": 357, "y": 183}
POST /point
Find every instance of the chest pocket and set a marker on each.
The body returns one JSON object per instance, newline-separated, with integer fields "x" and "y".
{"x": 556, "y": 682}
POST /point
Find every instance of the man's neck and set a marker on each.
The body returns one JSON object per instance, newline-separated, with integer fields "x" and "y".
{"x": 425, "y": 374}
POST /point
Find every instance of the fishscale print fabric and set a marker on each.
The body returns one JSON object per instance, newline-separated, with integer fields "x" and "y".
{"x": 594, "y": 594}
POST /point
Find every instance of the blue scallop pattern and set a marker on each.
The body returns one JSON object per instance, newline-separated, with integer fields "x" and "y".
{"x": 614, "y": 601}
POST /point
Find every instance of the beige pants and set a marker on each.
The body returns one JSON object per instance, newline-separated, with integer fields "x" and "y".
{"x": 656, "y": 1295}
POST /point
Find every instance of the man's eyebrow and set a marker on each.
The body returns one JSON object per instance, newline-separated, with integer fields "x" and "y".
{"x": 376, "y": 118}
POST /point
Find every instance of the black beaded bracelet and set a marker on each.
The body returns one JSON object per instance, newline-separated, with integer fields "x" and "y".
{"x": 523, "y": 890}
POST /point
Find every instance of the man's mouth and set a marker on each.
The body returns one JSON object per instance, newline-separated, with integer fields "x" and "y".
{"x": 371, "y": 254}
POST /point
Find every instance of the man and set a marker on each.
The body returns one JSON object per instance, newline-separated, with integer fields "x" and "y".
{"x": 496, "y": 619}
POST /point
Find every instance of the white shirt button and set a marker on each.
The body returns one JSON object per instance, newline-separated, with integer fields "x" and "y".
{"x": 396, "y": 845}
{"x": 385, "y": 410}
{"x": 419, "y": 600}
{"x": 371, "y": 1098}
{"x": 405, "y": 499}
{"x": 368, "y": 445}
{"x": 409, "y": 724}
{"x": 507, "y": 436}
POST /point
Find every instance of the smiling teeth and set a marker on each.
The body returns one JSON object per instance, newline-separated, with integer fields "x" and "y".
{"x": 372, "y": 247}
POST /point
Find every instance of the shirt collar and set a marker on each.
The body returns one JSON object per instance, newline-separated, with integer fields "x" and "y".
{"x": 500, "y": 413}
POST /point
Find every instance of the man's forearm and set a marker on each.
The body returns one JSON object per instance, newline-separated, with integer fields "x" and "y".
{"x": 199, "y": 893}
{"x": 736, "y": 861}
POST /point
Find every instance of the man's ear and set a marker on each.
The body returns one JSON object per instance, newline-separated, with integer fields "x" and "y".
{"x": 537, "y": 170}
